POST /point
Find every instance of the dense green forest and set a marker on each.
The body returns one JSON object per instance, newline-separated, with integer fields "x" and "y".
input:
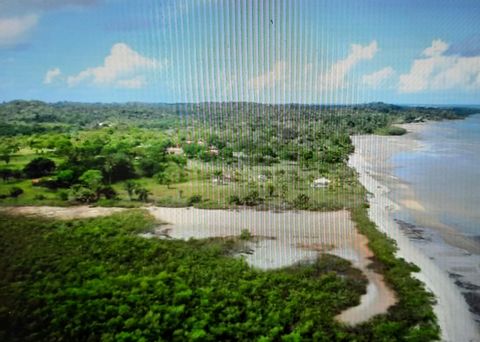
{"x": 37, "y": 117}
{"x": 98, "y": 280}
{"x": 89, "y": 280}
{"x": 211, "y": 155}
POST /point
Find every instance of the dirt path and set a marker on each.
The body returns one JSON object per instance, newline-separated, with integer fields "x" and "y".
{"x": 294, "y": 236}
{"x": 379, "y": 296}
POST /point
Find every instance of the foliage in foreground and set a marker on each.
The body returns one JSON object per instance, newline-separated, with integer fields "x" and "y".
{"x": 98, "y": 280}
{"x": 89, "y": 280}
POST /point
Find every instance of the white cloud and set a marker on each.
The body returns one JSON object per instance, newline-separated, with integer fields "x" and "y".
{"x": 14, "y": 29}
{"x": 379, "y": 77}
{"x": 440, "y": 72}
{"x": 271, "y": 78}
{"x": 51, "y": 75}
{"x": 18, "y": 17}
{"x": 122, "y": 68}
{"x": 286, "y": 76}
{"x": 334, "y": 78}
{"x": 437, "y": 48}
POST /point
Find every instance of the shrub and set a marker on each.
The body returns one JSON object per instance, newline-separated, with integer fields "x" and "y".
{"x": 301, "y": 201}
{"x": 7, "y": 174}
{"x": 171, "y": 202}
{"x": 39, "y": 167}
{"x": 271, "y": 189}
{"x": 15, "y": 192}
{"x": 252, "y": 198}
{"x": 65, "y": 178}
{"x": 83, "y": 194}
{"x": 392, "y": 130}
{"x": 108, "y": 192}
{"x": 194, "y": 199}
{"x": 395, "y": 130}
{"x": 130, "y": 186}
{"x": 142, "y": 194}
{"x": 245, "y": 234}
{"x": 235, "y": 199}
{"x": 63, "y": 195}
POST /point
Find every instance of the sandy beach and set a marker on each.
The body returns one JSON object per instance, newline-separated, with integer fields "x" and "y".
{"x": 372, "y": 161}
{"x": 62, "y": 213}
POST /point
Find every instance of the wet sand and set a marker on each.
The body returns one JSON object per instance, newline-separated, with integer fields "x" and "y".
{"x": 288, "y": 237}
{"x": 372, "y": 161}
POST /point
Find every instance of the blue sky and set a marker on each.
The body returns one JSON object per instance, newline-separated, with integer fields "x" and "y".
{"x": 349, "y": 51}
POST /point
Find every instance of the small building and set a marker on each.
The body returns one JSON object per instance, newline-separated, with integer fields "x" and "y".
{"x": 239, "y": 155}
{"x": 175, "y": 150}
{"x": 320, "y": 183}
{"x": 36, "y": 181}
{"x": 220, "y": 181}
{"x": 262, "y": 178}
{"x": 213, "y": 151}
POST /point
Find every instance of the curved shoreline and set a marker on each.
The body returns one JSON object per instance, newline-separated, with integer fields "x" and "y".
{"x": 370, "y": 160}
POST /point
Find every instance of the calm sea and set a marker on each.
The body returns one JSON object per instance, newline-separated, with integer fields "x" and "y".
{"x": 445, "y": 173}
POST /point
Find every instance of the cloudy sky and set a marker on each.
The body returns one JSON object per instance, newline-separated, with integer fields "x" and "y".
{"x": 349, "y": 51}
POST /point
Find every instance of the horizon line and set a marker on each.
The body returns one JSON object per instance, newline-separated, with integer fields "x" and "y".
{"x": 250, "y": 102}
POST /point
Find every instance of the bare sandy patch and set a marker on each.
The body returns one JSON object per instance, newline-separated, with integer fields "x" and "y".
{"x": 63, "y": 213}
{"x": 379, "y": 296}
{"x": 297, "y": 236}
{"x": 412, "y": 204}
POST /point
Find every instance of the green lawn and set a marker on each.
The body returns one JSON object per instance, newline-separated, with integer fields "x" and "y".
{"x": 288, "y": 180}
{"x": 343, "y": 192}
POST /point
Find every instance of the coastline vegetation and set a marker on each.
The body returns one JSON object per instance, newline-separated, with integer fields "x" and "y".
{"x": 414, "y": 302}
{"x": 212, "y": 155}
{"x": 98, "y": 280}
{"x": 392, "y": 130}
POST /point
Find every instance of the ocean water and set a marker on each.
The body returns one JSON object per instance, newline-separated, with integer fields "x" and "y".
{"x": 443, "y": 175}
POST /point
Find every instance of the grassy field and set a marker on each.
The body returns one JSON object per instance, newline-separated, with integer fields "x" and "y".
{"x": 275, "y": 186}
